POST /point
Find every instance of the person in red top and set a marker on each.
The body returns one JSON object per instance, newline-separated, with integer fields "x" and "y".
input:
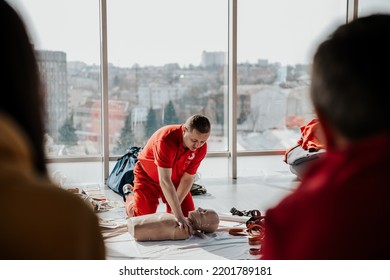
{"x": 341, "y": 208}
{"x": 166, "y": 167}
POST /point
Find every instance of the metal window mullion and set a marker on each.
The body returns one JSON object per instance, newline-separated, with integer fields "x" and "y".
{"x": 352, "y": 10}
{"x": 104, "y": 89}
{"x": 232, "y": 89}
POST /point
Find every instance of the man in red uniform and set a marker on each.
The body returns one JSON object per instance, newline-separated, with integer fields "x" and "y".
{"x": 341, "y": 208}
{"x": 166, "y": 168}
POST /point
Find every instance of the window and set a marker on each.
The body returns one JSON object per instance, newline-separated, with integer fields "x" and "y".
{"x": 166, "y": 66}
{"x": 275, "y": 44}
{"x": 167, "y": 59}
{"x": 66, "y": 40}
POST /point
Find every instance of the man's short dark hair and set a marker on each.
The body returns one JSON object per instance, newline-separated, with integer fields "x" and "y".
{"x": 199, "y": 122}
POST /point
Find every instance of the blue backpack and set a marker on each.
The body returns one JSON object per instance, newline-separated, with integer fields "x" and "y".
{"x": 123, "y": 171}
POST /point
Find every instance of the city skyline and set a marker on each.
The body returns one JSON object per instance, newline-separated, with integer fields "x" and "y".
{"x": 138, "y": 32}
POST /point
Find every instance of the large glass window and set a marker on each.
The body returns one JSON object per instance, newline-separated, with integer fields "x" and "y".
{"x": 65, "y": 35}
{"x": 275, "y": 43}
{"x": 167, "y": 61}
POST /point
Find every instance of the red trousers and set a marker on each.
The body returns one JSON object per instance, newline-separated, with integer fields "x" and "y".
{"x": 146, "y": 195}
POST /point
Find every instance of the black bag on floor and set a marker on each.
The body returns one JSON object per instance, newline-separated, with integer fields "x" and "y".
{"x": 123, "y": 171}
{"x": 197, "y": 189}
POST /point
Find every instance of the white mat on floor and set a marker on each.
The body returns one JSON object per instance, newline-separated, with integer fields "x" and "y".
{"x": 219, "y": 245}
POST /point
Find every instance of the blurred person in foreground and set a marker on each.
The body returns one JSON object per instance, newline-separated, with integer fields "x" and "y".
{"x": 166, "y": 168}
{"x": 341, "y": 208}
{"x": 39, "y": 219}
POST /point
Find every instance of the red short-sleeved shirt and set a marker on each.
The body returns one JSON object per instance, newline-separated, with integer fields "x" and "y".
{"x": 165, "y": 149}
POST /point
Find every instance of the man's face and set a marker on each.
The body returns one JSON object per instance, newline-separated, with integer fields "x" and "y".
{"x": 194, "y": 139}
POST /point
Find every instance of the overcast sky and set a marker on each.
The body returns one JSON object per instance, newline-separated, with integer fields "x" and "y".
{"x": 156, "y": 32}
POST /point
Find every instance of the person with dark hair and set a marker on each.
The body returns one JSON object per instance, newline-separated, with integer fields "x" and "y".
{"x": 341, "y": 207}
{"x": 39, "y": 219}
{"x": 166, "y": 167}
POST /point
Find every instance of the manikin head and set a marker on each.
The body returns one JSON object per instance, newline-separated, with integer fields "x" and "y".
{"x": 196, "y": 132}
{"x": 205, "y": 220}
